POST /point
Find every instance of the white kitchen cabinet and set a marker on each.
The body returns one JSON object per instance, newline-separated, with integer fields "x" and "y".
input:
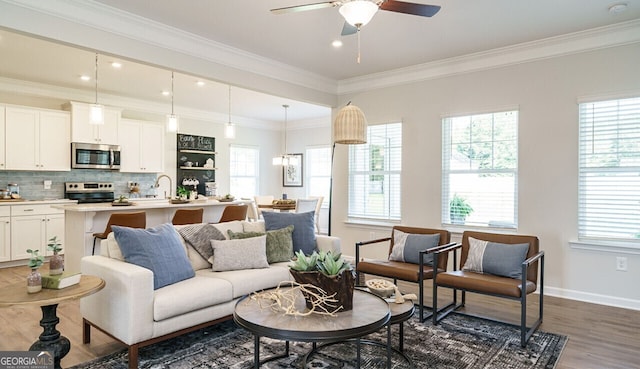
{"x": 37, "y": 139}
{"x": 141, "y": 146}
{"x": 31, "y": 228}
{"x": 82, "y": 131}
{"x": 5, "y": 238}
{"x": 2, "y": 138}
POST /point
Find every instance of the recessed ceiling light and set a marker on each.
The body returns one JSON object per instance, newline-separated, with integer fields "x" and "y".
{"x": 116, "y": 65}
{"x": 166, "y": 93}
{"x": 200, "y": 83}
{"x": 618, "y": 8}
{"x": 84, "y": 77}
{"x": 336, "y": 43}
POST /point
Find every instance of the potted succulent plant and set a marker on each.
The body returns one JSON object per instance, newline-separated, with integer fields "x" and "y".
{"x": 34, "y": 279}
{"x": 56, "y": 262}
{"x": 182, "y": 192}
{"x": 459, "y": 209}
{"x": 328, "y": 271}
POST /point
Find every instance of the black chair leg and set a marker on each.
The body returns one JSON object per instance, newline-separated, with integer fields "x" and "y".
{"x": 93, "y": 251}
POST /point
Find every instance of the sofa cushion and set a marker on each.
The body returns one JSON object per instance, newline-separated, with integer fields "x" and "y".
{"x": 158, "y": 249}
{"x": 496, "y": 258}
{"x": 247, "y": 281}
{"x": 199, "y": 292}
{"x": 407, "y": 246}
{"x": 234, "y": 225}
{"x": 199, "y": 236}
{"x": 304, "y": 231}
{"x": 257, "y": 226}
{"x": 279, "y": 243}
{"x": 248, "y": 253}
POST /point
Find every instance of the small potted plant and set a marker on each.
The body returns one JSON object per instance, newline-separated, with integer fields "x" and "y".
{"x": 56, "y": 262}
{"x": 182, "y": 192}
{"x": 34, "y": 279}
{"x": 459, "y": 209}
{"x": 328, "y": 271}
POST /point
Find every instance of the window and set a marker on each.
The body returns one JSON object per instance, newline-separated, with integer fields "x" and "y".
{"x": 480, "y": 170}
{"x": 609, "y": 170}
{"x": 243, "y": 171}
{"x": 374, "y": 174}
{"x": 318, "y": 172}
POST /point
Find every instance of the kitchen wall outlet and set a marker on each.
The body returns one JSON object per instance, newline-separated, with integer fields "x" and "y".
{"x": 47, "y": 184}
{"x": 131, "y": 185}
{"x": 621, "y": 263}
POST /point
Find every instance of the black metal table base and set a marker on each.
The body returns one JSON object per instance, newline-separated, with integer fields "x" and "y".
{"x": 50, "y": 339}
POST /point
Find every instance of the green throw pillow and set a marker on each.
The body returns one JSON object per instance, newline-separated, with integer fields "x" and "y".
{"x": 279, "y": 243}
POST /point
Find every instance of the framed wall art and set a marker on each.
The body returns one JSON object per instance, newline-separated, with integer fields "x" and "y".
{"x": 292, "y": 173}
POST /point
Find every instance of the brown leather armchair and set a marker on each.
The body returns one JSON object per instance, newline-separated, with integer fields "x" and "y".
{"x": 492, "y": 284}
{"x": 406, "y": 271}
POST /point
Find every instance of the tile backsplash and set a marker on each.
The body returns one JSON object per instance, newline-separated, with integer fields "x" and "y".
{"x": 32, "y": 183}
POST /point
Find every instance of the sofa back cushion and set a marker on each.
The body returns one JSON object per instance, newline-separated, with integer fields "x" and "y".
{"x": 304, "y": 229}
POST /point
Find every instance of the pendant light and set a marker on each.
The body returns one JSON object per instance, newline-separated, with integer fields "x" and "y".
{"x": 285, "y": 159}
{"x": 96, "y": 111}
{"x": 230, "y": 129}
{"x": 172, "y": 119}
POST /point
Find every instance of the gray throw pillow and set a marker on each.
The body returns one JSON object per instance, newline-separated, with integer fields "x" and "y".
{"x": 199, "y": 236}
{"x": 407, "y": 247}
{"x": 304, "y": 231}
{"x": 496, "y": 258}
{"x": 247, "y": 253}
{"x": 279, "y": 243}
{"x": 158, "y": 249}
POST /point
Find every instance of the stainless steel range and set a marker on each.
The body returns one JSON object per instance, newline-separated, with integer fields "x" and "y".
{"x": 89, "y": 192}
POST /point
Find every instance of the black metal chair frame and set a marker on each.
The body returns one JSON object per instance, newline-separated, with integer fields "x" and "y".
{"x": 525, "y": 332}
{"x": 420, "y": 282}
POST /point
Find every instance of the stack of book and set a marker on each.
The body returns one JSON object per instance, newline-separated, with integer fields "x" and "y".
{"x": 60, "y": 281}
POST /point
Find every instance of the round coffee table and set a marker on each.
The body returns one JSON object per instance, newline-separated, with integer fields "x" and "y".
{"x": 369, "y": 314}
{"x": 50, "y": 339}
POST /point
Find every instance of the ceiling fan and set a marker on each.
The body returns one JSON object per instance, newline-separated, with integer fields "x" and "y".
{"x": 358, "y": 13}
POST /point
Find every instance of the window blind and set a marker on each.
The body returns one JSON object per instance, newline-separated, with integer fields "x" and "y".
{"x": 609, "y": 170}
{"x": 243, "y": 171}
{"x": 480, "y": 170}
{"x": 374, "y": 174}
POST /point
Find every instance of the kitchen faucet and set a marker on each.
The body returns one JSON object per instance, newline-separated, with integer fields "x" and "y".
{"x": 157, "y": 184}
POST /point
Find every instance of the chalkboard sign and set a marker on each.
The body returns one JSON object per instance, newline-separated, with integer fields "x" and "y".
{"x": 192, "y": 142}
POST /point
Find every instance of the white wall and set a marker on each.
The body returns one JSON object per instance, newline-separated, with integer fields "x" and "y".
{"x": 546, "y": 93}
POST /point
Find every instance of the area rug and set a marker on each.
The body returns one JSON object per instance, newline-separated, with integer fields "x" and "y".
{"x": 458, "y": 342}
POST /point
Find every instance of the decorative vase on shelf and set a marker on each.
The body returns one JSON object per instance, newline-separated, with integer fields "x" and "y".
{"x": 56, "y": 264}
{"x": 34, "y": 281}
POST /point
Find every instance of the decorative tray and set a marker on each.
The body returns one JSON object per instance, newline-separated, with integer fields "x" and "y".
{"x": 117, "y": 203}
{"x": 226, "y": 200}
{"x": 179, "y": 201}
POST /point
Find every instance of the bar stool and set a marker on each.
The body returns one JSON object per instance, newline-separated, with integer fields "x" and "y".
{"x": 234, "y": 212}
{"x": 187, "y": 216}
{"x": 132, "y": 220}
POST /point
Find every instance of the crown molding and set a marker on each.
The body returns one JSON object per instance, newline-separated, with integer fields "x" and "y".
{"x": 593, "y": 39}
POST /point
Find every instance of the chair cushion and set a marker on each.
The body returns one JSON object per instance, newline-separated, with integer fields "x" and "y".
{"x": 199, "y": 236}
{"x": 248, "y": 253}
{"x": 158, "y": 249}
{"x": 496, "y": 258}
{"x": 407, "y": 246}
{"x": 304, "y": 231}
{"x": 484, "y": 283}
{"x": 279, "y": 243}
{"x": 395, "y": 269}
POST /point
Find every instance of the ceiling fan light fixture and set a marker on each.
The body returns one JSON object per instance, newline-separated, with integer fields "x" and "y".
{"x": 358, "y": 12}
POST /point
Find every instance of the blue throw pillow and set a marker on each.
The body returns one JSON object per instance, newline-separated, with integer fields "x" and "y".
{"x": 407, "y": 246}
{"x": 496, "y": 258}
{"x": 158, "y": 249}
{"x": 304, "y": 229}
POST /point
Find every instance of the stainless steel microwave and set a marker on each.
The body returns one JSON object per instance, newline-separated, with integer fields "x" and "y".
{"x": 95, "y": 156}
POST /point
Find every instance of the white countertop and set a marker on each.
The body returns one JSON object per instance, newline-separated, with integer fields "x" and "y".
{"x": 37, "y": 202}
{"x": 142, "y": 204}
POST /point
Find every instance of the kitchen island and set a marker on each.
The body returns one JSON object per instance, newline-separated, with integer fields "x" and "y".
{"x": 83, "y": 220}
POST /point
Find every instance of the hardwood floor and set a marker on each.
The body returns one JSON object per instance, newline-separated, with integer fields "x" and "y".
{"x": 599, "y": 336}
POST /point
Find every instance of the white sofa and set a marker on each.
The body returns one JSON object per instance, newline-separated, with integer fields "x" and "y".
{"x": 131, "y": 311}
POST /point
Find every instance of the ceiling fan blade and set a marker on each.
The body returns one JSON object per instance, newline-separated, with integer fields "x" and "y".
{"x": 302, "y": 8}
{"x": 422, "y": 10}
{"x": 348, "y": 29}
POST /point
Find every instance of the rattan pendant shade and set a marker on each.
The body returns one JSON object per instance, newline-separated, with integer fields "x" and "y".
{"x": 350, "y": 126}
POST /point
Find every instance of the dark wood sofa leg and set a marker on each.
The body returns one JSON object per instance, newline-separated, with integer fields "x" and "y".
{"x": 133, "y": 357}
{"x": 86, "y": 331}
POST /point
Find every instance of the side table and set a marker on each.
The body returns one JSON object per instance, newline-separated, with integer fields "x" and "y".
{"x": 50, "y": 339}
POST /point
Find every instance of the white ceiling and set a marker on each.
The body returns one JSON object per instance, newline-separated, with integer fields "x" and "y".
{"x": 302, "y": 40}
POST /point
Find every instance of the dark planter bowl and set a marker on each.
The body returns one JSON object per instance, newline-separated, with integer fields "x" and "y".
{"x": 341, "y": 285}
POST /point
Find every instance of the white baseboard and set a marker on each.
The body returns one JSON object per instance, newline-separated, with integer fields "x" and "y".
{"x": 593, "y": 298}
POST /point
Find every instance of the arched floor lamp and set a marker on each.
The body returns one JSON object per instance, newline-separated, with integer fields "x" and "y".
{"x": 349, "y": 128}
